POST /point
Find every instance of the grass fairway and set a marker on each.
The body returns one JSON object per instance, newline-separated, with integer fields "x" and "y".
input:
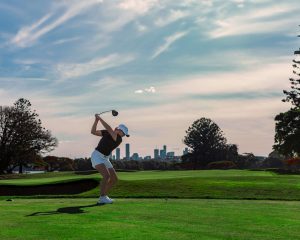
{"x": 149, "y": 219}
{"x": 216, "y": 184}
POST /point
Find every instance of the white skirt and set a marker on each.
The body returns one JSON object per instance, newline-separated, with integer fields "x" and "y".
{"x": 98, "y": 158}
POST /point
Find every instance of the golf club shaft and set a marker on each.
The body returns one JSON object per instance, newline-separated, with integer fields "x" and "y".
{"x": 114, "y": 112}
{"x": 105, "y": 112}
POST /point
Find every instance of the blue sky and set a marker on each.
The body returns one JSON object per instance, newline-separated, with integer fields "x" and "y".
{"x": 161, "y": 64}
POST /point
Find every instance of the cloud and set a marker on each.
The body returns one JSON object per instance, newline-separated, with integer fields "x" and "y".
{"x": 28, "y": 61}
{"x": 18, "y": 79}
{"x": 25, "y": 36}
{"x": 66, "y": 40}
{"x": 140, "y": 27}
{"x": 72, "y": 70}
{"x": 108, "y": 83}
{"x": 28, "y": 35}
{"x": 150, "y": 90}
{"x": 174, "y": 15}
{"x": 137, "y": 6}
{"x": 146, "y": 90}
{"x": 123, "y": 12}
{"x": 139, "y": 91}
{"x": 268, "y": 78}
{"x": 168, "y": 42}
{"x": 254, "y": 21}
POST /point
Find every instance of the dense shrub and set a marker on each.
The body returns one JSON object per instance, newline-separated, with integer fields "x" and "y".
{"x": 272, "y": 162}
{"x": 221, "y": 165}
{"x": 83, "y": 164}
{"x": 293, "y": 162}
{"x": 145, "y": 165}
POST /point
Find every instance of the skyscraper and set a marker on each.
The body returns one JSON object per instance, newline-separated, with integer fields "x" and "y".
{"x": 156, "y": 154}
{"x": 118, "y": 154}
{"x": 127, "y": 151}
{"x": 165, "y": 148}
{"x": 185, "y": 151}
{"x": 162, "y": 154}
{"x": 170, "y": 154}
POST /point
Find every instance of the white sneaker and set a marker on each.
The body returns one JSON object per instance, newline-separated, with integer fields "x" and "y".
{"x": 104, "y": 200}
{"x": 110, "y": 199}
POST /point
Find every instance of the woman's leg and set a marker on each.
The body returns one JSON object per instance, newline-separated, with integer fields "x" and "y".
{"x": 113, "y": 178}
{"x": 101, "y": 168}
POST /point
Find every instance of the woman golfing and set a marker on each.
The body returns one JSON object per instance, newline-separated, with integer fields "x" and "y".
{"x": 110, "y": 139}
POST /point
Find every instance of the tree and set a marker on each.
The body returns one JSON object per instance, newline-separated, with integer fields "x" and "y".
{"x": 247, "y": 161}
{"x": 66, "y": 164}
{"x": 83, "y": 164}
{"x": 206, "y": 140}
{"x": 22, "y": 136}
{"x": 287, "y": 125}
{"x": 52, "y": 163}
{"x": 232, "y": 152}
{"x": 287, "y": 136}
{"x": 293, "y": 95}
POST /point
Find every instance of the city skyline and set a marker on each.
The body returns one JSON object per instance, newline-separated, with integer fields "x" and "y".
{"x": 117, "y": 153}
{"x": 161, "y": 64}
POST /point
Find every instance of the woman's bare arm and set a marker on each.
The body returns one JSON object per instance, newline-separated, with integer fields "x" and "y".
{"x": 94, "y": 130}
{"x": 108, "y": 128}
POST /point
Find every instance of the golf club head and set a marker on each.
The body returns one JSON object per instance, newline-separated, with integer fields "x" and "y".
{"x": 114, "y": 113}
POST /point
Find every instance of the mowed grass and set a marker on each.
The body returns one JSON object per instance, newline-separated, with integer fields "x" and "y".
{"x": 217, "y": 184}
{"x": 53, "y": 177}
{"x": 131, "y": 219}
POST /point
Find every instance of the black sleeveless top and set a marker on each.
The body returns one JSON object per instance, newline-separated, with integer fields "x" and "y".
{"x": 107, "y": 144}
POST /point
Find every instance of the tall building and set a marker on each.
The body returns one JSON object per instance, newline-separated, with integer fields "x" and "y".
{"x": 185, "y": 151}
{"x": 156, "y": 154}
{"x": 170, "y": 154}
{"x": 162, "y": 154}
{"x": 118, "y": 154}
{"x": 135, "y": 156}
{"x": 127, "y": 151}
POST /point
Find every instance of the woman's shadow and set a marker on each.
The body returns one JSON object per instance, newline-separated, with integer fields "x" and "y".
{"x": 69, "y": 210}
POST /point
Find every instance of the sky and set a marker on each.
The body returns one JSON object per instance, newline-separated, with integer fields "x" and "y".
{"x": 161, "y": 64}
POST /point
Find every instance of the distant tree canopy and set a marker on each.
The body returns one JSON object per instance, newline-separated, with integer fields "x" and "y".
{"x": 288, "y": 123}
{"x": 206, "y": 140}
{"x": 287, "y": 136}
{"x": 22, "y": 137}
{"x": 274, "y": 160}
{"x": 58, "y": 164}
{"x": 247, "y": 161}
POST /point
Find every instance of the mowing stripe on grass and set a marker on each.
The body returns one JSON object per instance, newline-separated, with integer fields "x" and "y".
{"x": 153, "y": 219}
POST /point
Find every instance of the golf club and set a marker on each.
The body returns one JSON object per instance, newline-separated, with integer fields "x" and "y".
{"x": 114, "y": 112}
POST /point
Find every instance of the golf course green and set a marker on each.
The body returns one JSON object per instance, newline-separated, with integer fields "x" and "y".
{"x": 212, "y": 204}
